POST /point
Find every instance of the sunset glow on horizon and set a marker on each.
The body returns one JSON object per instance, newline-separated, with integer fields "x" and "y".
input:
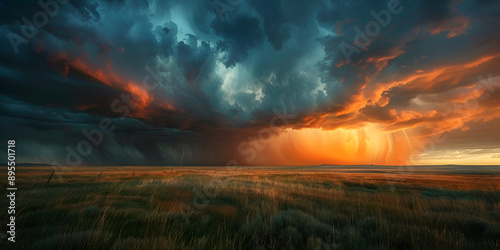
{"x": 365, "y": 145}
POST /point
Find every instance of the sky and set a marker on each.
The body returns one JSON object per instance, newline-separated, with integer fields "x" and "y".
{"x": 261, "y": 82}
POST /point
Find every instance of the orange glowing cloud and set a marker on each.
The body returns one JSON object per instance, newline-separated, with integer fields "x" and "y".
{"x": 365, "y": 145}
{"x": 391, "y": 134}
{"x": 106, "y": 76}
{"x": 382, "y": 61}
{"x": 422, "y": 80}
{"x": 141, "y": 94}
{"x": 455, "y": 27}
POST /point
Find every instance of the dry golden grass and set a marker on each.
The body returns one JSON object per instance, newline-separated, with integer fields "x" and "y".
{"x": 255, "y": 208}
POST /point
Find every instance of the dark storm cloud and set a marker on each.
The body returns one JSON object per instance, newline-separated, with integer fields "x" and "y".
{"x": 435, "y": 11}
{"x": 240, "y": 34}
{"x": 192, "y": 58}
{"x": 275, "y": 26}
{"x": 219, "y": 80}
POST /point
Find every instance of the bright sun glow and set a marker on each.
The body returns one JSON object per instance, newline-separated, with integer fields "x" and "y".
{"x": 366, "y": 145}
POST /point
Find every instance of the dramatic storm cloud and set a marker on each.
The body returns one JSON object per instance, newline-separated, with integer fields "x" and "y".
{"x": 253, "y": 82}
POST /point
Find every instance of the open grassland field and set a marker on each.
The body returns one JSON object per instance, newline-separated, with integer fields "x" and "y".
{"x": 255, "y": 208}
